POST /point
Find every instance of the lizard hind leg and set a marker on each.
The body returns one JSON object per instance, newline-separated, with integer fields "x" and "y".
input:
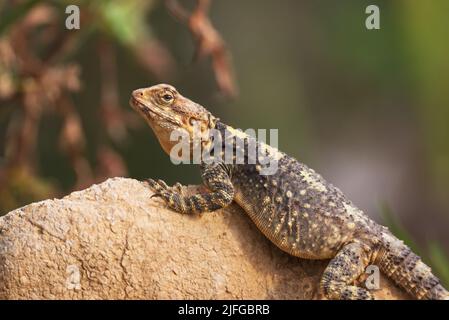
{"x": 339, "y": 276}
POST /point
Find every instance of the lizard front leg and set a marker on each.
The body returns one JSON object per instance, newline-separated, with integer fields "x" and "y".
{"x": 216, "y": 179}
{"x": 342, "y": 271}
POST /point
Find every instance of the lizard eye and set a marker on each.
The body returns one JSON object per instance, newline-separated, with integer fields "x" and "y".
{"x": 192, "y": 121}
{"x": 167, "y": 97}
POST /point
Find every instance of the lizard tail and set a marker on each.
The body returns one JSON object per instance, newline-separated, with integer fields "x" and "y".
{"x": 408, "y": 271}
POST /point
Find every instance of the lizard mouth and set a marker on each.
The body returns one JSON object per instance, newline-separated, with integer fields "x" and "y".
{"x": 151, "y": 113}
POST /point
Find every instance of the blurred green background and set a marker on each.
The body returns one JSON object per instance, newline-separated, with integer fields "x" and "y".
{"x": 368, "y": 109}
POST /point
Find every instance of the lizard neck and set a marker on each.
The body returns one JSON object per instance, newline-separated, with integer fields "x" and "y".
{"x": 237, "y": 148}
{"x": 223, "y": 143}
{"x": 222, "y": 127}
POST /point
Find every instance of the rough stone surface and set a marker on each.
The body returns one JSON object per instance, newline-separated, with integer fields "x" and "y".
{"x": 111, "y": 241}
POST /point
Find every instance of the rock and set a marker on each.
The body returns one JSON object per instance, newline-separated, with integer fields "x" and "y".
{"x": 111, "y": 241}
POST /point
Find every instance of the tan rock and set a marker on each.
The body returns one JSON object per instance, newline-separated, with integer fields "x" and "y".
{"x": 111, "y": 241}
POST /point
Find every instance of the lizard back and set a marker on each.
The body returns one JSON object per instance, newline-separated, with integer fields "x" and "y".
{"x": 294, "y": 207}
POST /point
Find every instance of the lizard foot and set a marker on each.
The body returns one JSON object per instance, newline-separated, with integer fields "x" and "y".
{"x": 159, "y": 187}
{"x": 342, "y": 271}
{"x": 172, "y": 196}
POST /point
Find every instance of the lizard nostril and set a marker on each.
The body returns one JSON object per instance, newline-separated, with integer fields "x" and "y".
{"x": 138, "y": 93}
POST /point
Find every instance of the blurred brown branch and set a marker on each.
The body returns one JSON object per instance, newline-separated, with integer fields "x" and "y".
{"x": 39, "y": 77}
{"x": 208, "y": 42}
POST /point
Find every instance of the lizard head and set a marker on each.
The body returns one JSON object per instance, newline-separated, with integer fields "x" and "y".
{"x": 166, "y": 110}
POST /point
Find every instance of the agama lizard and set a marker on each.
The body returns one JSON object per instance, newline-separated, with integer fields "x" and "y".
{"x": 295, "y": 207}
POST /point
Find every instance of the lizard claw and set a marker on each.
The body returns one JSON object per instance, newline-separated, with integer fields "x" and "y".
{"x": 150, "y": 182}
{"x": 162, "y": 184}
{"x": 178, "y": 187}
{"x": 155, "y": 195}
{"x": 160, "y": 189}
{"x": 155, "y": 187}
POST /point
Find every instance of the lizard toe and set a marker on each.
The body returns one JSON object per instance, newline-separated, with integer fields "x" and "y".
{"x": 155, "y": 186}
{"x": 163, "y": 184}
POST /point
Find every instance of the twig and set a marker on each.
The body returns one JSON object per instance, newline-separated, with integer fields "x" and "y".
{"x": 208, "y": 42}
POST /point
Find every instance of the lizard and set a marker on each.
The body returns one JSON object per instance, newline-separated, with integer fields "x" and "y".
{"x": 295, "y": 208}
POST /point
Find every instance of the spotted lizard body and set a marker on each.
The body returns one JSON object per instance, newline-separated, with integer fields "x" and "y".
{"x": 294, "y": 207}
